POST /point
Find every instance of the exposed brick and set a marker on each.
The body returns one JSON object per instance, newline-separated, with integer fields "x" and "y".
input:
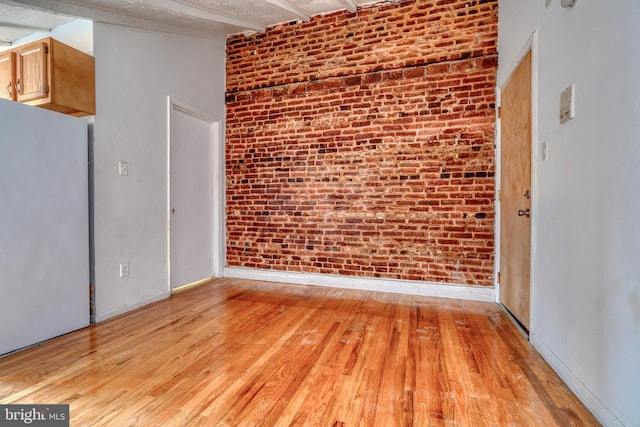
{"x": 363, "y": 144}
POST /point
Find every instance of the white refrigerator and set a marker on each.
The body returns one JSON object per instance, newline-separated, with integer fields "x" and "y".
{"x": 44, "y": 225}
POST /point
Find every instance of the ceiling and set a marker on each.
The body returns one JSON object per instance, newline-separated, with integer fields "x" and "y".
{"x": 205, "y": 18}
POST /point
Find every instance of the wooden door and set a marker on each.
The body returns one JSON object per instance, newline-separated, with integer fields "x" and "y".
{"x": 515, "y": 192}
{"x": 32, "y": 72}
{"x": 7, "y": 75}
{"x": 191, "y": 196}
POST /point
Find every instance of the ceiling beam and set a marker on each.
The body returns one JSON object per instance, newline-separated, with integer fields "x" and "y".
{"x": 24, "y": 27}
{"x": 77, "y": 9}
{"x": 350, "y": 5}
{"x": 283, "y": 4}
{"x": 183, "y": 7}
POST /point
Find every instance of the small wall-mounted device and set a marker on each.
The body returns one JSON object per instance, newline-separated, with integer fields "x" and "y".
{"x": 567, "y": 104}
{"x": 123, "y": 168}
{"x": 568, "y": 3}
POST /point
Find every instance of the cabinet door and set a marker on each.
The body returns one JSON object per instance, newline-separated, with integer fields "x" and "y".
{"x": 7, "y": 75}
{"x": 32, "y": 79}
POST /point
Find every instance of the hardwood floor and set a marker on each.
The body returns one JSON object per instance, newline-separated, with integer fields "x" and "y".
{"x": 242, "y": 353}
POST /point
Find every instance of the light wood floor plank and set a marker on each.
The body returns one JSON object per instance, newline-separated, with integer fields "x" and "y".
{"x": 245, "y": 353}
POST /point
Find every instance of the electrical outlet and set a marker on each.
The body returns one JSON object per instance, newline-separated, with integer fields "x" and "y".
{"x": 124, "y": 269}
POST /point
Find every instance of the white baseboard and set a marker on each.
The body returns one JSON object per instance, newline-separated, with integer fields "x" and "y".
{"x": 586, "y": 396}
{"x": 125, "y": 309}
{"x": 442, "y": 290}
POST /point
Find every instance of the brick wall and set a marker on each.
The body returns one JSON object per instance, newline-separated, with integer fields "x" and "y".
{"x": 363, "y": 144}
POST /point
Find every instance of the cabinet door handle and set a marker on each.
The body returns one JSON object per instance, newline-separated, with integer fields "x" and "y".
{"x": 18, "y": 86}
{"x": 9, "y": 90}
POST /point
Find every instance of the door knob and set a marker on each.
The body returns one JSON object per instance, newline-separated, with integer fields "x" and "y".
{"x": 526, "y": 213}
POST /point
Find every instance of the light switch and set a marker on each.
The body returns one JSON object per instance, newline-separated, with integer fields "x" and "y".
{"x": 124, "y": 269}
{"x": 123, "y": 168}
{"x": 567, "y": 104}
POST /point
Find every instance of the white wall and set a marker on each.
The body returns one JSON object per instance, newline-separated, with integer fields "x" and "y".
{"x": 135, "y": 72}
{"x": 44, "y": 230}
{"x": 586, "y": 289}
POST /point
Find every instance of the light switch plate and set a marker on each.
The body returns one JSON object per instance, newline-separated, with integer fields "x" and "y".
{"x": 123, "y": 168}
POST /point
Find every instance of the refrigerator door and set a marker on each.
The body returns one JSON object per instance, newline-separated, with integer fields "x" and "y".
{"x": 44, "y": 225}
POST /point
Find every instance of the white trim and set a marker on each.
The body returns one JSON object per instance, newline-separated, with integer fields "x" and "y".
{"x": 535, "y": 168}
{"x": 410, "y": 287}
{"x": 168, "y": 189}
{"x": 127, "y": 308}
{"x": 219, "y": 197}
{"x": 496, "y": 202}
{"x": 586, "y": 396}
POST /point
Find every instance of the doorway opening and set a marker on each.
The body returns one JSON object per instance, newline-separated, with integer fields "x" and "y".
{"x": 195, "y": 195}
{"x": 515, "y": 192}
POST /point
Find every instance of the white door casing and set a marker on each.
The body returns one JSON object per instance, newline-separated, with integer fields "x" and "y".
{"x": 195, "y": 198}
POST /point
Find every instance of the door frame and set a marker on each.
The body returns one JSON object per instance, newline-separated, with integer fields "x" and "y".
{"x": 218, "y": 169}
{"x": 532, "y": 44}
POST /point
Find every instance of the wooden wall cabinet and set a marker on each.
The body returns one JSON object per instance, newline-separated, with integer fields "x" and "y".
{"x": 7, "y": 75}
{"x": 49, "y": 74}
